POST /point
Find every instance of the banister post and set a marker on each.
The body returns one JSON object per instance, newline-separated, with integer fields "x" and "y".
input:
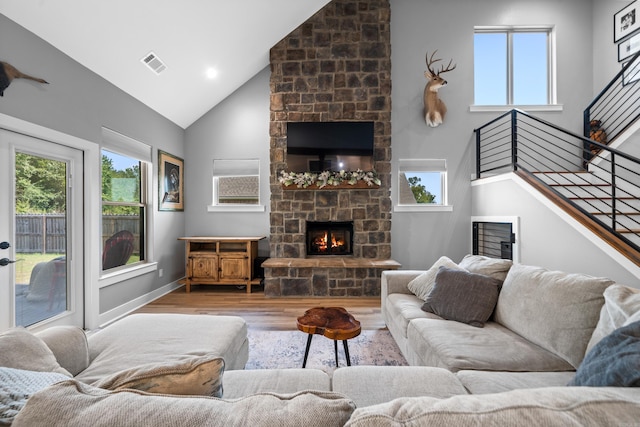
{"x": 514, "y": 139}
{"x": 477, "y": 153}
{"x": 586, "y": 152}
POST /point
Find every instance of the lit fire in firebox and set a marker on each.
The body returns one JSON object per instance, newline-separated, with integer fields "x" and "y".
{"x": 321, "y": 243}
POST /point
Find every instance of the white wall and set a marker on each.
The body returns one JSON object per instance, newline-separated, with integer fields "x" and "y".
{"x": 78, "y": 102}
{"x": 548, "y": 236}
{"x": 417, "y": 26}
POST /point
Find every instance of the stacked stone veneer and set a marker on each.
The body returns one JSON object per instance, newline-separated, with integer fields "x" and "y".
{"x": 334, "y": 67}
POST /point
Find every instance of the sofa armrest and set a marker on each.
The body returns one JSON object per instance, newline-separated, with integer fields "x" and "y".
{"x": 69, "y": 345}
{"x": 396, "y": 281}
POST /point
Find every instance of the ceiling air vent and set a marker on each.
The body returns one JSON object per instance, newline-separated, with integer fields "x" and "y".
{"x": 154, "y": 63}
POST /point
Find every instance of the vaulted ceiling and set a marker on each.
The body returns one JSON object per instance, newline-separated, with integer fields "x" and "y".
{"x": 209, "y": 47}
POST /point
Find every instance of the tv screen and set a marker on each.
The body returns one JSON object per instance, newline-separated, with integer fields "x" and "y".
{"x": 320, "y": 146}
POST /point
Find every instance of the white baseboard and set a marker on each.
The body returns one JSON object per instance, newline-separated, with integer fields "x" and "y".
{"x": 121, "y": 311}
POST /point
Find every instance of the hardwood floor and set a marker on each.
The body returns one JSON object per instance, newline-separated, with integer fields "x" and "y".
{"x": 258, "y": 311}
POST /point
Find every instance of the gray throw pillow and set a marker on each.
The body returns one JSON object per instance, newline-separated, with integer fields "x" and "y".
{"x": 462, "y": 296}
{"x": 613, "y": 362}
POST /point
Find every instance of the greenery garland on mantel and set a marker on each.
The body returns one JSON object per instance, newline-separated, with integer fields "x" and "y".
{"x": 341, "y": 179}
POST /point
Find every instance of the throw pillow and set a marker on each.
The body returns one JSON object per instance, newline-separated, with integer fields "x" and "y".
{"x": 20, "y": 349}
{"x": 17, "y": 385}
{"x": 422, "y": 285}
{"x": 492, "y": 267}
{"x": 621, "y": 307}
{"x": 195, "y": 375}
{"x": 613, "y": 362}
{"x": 463, "y": 296}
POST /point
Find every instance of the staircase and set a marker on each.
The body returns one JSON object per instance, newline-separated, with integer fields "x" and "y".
{"x": 593, "y": 195}
{"x": 596, "y": 184}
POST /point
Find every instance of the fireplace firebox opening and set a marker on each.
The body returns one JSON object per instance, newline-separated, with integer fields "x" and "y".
{"x": 330, "y": 238}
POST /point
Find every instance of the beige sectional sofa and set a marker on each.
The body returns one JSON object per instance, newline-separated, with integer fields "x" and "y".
{"x": 163, "y": 369}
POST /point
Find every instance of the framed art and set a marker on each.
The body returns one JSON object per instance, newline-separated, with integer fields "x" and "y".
{"x": 629, "y": 47}
{"x": 170, "y": 182}
{"x": 625, "y": 22}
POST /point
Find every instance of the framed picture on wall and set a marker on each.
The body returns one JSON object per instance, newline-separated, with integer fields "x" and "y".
{"x": 629, "y": 47}
{"x": 170, "y": 182}
{"x": 625, "y": 22}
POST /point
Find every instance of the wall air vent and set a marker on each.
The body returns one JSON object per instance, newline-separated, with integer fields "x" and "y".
{"x": 154, "y": 63}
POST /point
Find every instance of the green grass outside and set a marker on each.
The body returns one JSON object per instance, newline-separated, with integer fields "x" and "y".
{"x": 28, "y": 262}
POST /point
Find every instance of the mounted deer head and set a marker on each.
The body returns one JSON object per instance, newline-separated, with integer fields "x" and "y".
{"x": 434, "y": 108}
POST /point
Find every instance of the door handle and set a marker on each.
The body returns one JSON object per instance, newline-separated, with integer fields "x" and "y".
{"x": 6, "y": 261}
{"x": 4, "y": 245}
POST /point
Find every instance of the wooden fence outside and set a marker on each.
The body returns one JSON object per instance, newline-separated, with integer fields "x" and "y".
{"x": 45, "y": 233}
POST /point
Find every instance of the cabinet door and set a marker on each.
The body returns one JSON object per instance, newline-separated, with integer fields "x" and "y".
{"x": 204, "y": 267}
{"x": 233, "y": 268}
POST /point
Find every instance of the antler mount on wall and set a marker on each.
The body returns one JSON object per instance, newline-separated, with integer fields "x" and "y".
{"x": 434, "y": 108}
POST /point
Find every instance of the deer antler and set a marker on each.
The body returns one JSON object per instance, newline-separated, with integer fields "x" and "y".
{"x": 431, "y": 61}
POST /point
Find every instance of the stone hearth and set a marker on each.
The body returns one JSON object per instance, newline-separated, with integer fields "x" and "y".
{"x": 334, "y": 67}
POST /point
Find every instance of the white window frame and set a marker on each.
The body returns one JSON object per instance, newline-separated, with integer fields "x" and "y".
{"x": 117, "y": 143}
{"x": 552, "y": 95}
{"x": 225, "y": 168}
{"x": 424, "y": 165}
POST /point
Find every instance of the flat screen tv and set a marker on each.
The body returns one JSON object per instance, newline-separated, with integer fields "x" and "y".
{"x": 320, "y": 146}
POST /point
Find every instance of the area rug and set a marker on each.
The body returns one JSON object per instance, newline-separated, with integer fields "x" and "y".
{"x": 285, "y": 349}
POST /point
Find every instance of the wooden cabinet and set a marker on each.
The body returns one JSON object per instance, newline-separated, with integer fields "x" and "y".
{"x": 221, "y": 260}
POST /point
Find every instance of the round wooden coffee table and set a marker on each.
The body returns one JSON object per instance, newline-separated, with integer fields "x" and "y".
{"x": 335, "y": 323}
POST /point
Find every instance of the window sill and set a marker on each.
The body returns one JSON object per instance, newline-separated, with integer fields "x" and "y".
{"x": 236, "y": 208}
{"x": 504, "y": 108}
{"x": 109, "y": 279}
{"x": 423, "y": 208}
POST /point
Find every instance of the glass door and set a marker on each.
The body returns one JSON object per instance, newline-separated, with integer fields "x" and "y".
{"x": 41, "y": 232}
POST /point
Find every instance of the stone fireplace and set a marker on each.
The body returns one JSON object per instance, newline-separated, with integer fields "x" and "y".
{"x": 334, "y": 67}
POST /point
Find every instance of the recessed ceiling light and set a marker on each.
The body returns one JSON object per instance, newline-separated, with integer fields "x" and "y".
{"x": 212, "y": 73}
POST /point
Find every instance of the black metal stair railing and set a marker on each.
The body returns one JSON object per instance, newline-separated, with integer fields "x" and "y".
{"x": 615, "y": 108}
{"x": 608, "y": 191}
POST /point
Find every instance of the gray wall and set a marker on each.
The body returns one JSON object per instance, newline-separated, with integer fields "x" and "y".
{"x": 605, "y": 52}
{"x": 237, "y": 128}
{"x": 78, "y": 102}
{"x": 418, "y": 26}
{"x": 546, "y": 239}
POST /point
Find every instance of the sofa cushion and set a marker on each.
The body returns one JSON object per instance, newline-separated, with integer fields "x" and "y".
{"x": 463, "y": 296}
{"x": 484, "y": 382}
{"x": 614, "y": 361}
{"x": 72, "y": 403}
{"x": 371, "y": 385}
{"x": 621, "y": 307}
{"x": 194, "y": 375}
{"x": 20, "y": 349}
{"x": 422, "y": 285}
{"x": 556, "y": 310}
{"x": 456, "y": 346}
{"x": 240, "y": 383}
{"x": 402, "y": 309}
{"x": 139, "y": 339}
{"x": 552, "y": 406}
{"x": 17, "y": 385}
{"x": 480, "y": 264}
